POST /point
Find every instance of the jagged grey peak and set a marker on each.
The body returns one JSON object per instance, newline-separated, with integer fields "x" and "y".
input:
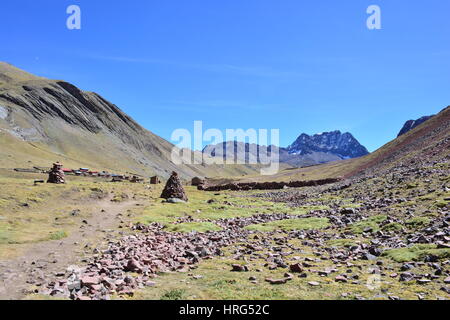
{"x": 343, "y": 145}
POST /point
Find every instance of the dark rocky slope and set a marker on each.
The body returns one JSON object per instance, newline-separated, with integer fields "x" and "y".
{"x": 411, "y": 124}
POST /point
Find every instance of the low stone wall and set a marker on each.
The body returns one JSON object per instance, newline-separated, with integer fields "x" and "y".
{"x": 267, "y": 185}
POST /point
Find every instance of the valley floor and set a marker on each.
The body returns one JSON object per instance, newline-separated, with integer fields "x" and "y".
{"x": 379, "y": 237}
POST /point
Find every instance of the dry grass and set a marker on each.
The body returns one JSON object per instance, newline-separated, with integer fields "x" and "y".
{"x": 30, "y": 214}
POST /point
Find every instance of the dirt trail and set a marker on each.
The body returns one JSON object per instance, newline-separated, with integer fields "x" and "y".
{"x": 41, "y": 261}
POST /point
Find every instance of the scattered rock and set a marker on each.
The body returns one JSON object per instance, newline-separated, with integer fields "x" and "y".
{"x": 239, "y": 268}
{"x": 296, "y": 268}
{"x": 406, "y": 276}
{"x": 423, "y": 281}
{"x": 342, "y": 279}
{"x": 90, "y": 281}
{"x": 174, "y": 200}
{"x": 276, "y": 281}
{"x": 314, "y": 283}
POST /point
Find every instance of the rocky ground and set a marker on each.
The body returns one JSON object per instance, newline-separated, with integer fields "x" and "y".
{"x": 384, "y": 236}
{"x": 41, "y": 261}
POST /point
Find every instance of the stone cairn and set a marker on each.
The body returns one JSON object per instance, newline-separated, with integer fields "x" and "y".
{"x": 174, "y": 189}
{"x": 56, "y": 174}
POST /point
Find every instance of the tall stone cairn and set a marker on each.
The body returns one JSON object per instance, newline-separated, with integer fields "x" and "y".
{"x": 56, "y": 174}
{"x": 174, "y": 188}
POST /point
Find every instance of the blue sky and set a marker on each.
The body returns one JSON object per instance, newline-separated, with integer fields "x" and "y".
{"x": 300, "y": 66}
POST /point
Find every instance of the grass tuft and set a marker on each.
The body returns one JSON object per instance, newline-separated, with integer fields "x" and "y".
{"x": 58, "y": 235}
{"x": 175, "y": 294}
{"x": 417, "y": 253}
{"x": 372, "y": 222}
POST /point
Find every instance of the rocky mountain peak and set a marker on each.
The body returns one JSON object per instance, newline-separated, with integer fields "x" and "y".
{"x": 341, "y": 144}
{"x": 411, "y": 124}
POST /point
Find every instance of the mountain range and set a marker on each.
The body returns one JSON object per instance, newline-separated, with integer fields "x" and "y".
{"x": 305, "y": 151}
{"x": 43, "y": 120}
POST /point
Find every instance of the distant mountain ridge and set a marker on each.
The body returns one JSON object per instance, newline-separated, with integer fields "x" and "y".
{"x": 44, "y": 120}
{"x": 305, "y": 151}
{"x": 343, "y": 145}
{"x": 411, "y": 124}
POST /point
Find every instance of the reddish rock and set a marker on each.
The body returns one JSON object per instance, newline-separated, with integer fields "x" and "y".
{"x": 296, "y": 268}
{"x": 96, "y": 287}
{"x": 239, "y": 268}
{"x": 90, "y": 281}
{"x": 134, "y": 266}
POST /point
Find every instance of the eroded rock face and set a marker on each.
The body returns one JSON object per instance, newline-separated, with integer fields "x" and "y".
{"x": 174, "y": 189}
{"x": 3, "y": 112}
{"x": 35, "y": 109}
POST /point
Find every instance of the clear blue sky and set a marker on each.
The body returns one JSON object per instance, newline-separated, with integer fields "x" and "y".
{"x": 300, "y": 66}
